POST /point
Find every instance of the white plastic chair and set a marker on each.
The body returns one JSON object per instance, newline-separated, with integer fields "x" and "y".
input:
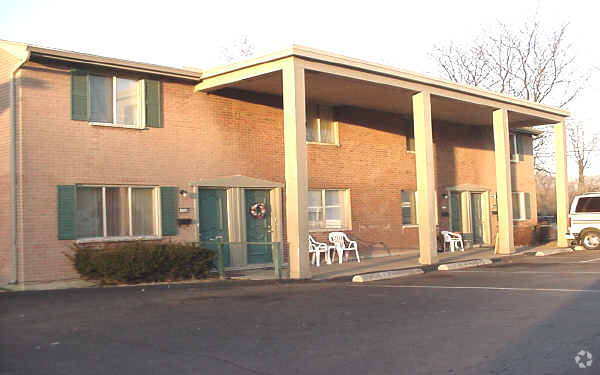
{"x": 316, "y": 248}
{"x": 342, "y": 243}
{"x": 454, "y": 239}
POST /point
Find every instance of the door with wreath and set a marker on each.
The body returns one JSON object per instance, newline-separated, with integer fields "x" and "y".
{"x": 258, "y": 226}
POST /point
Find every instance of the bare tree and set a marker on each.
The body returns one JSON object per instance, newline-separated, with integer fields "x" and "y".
{"x": 528, "y": 62}
{"x": 592, "y": 183}
{"x": 243, "y": 48}
{"x": 582, "y": 144}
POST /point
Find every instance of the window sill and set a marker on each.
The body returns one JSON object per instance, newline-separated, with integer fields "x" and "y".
{"x": 117, "y": 239}
{"x": 410, "y": 225}
{"x": 322, "y": 143}
{"x": 410, "y": 152}
{"x": 109, "y": 125}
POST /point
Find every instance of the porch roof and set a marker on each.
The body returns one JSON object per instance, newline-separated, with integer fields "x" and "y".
{"x": 343, "y": 81}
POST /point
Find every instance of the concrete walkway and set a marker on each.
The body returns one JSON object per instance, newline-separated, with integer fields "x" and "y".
{"x": 406, "y": 259}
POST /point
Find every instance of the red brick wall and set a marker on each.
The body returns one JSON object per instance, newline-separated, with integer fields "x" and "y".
{"x": 209, "y": 135}
{"x": 203, "y": 136}
{"x": 373, "y": 162}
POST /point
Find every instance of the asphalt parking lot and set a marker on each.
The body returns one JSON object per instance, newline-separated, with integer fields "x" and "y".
{"x": 525, "y": 315}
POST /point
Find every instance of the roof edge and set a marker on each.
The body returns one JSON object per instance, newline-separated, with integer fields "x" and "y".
{"x": 19, "y": 50}
{"x": 84, "y": 58}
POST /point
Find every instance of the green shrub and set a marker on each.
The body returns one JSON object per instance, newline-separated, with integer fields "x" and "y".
{"x": 142, "y": 262}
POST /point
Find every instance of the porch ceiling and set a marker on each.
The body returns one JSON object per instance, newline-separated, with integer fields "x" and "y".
{"x": 343, "y": 91}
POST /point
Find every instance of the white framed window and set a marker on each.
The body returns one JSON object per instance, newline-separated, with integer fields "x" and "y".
{"x": 329, "y": 209}
{"x": 514, "y": 156}
{"x": 116, "y": 211}
{"x": 320, "y": 125}
{"x": 521, "y": 206}
{"x": 409, "y": 207}
{"x": 516, "y": 147}
{"x": 115, "y": 101}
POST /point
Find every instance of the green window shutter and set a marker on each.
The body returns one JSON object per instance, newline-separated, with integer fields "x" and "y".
{"x": 527, "y": 206}
{"x": 79, "y": 95}
{"x": 520, "y": 149}
{"x": 66, "y": 207}
{"x": 152, "y": 103}
{"x": 168, "y": 208}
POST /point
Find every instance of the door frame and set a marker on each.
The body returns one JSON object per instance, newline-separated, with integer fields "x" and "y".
{"x": 482, "y": 216}
{"x": 235, "y": 187}
{"x": 239, "y": 215}
{"x": 466, "y": 211}
{"x": 275, "y": 203}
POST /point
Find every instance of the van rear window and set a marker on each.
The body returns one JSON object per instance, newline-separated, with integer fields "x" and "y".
{"x": 588, "y": 204}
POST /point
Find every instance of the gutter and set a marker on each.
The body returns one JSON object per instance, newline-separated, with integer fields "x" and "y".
{"x": 13, "y": 167}
{"x": 80, "y": 58}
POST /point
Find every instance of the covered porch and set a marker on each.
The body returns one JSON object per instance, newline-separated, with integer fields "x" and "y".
{"x": 299, "y": 75}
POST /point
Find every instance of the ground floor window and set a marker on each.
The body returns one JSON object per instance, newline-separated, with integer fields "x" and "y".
{"x": 521, "y": 204}
{"x": 328, "y": 209}
{"x": 409, "y": 207}
{"x": 116, "y": 211}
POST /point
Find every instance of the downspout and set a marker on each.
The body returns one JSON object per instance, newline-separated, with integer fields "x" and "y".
{"x": 13, "y": 167}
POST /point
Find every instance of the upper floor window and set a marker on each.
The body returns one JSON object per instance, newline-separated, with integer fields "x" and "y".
{"x": 320, "y": 126}
{"x": 410, "y": 138}
{"x": 516, "y": 147}
{"x": 115, "y": 101}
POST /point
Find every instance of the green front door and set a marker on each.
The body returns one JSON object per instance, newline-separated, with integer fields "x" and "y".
{"x": 212, "y": 220}
{"x": 476, "y": 218}
{"x": 456, "y": 211}
{"x": 258, "y": 229}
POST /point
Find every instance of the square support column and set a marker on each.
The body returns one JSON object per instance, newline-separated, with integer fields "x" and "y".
{"x": 425, "y": 178}
{"x": 506, "y": 244}
{"x": 562, "y": 192}
{"x": 296, "y": 177}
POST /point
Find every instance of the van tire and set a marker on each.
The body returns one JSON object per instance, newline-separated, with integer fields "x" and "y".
{"x": 590, "y": 239}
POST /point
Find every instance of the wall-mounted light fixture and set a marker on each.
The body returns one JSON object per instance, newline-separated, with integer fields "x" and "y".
{"x": 444, "y": 195}
{"x": 183, "y": 193}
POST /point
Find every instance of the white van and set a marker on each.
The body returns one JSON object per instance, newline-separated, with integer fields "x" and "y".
{"x": 584, "y": 221}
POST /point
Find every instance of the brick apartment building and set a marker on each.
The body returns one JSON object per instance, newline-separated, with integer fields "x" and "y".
{"x": 100, "y": 150}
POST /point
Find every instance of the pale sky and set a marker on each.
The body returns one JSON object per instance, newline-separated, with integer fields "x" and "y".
{"x": 399, "y": 33}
